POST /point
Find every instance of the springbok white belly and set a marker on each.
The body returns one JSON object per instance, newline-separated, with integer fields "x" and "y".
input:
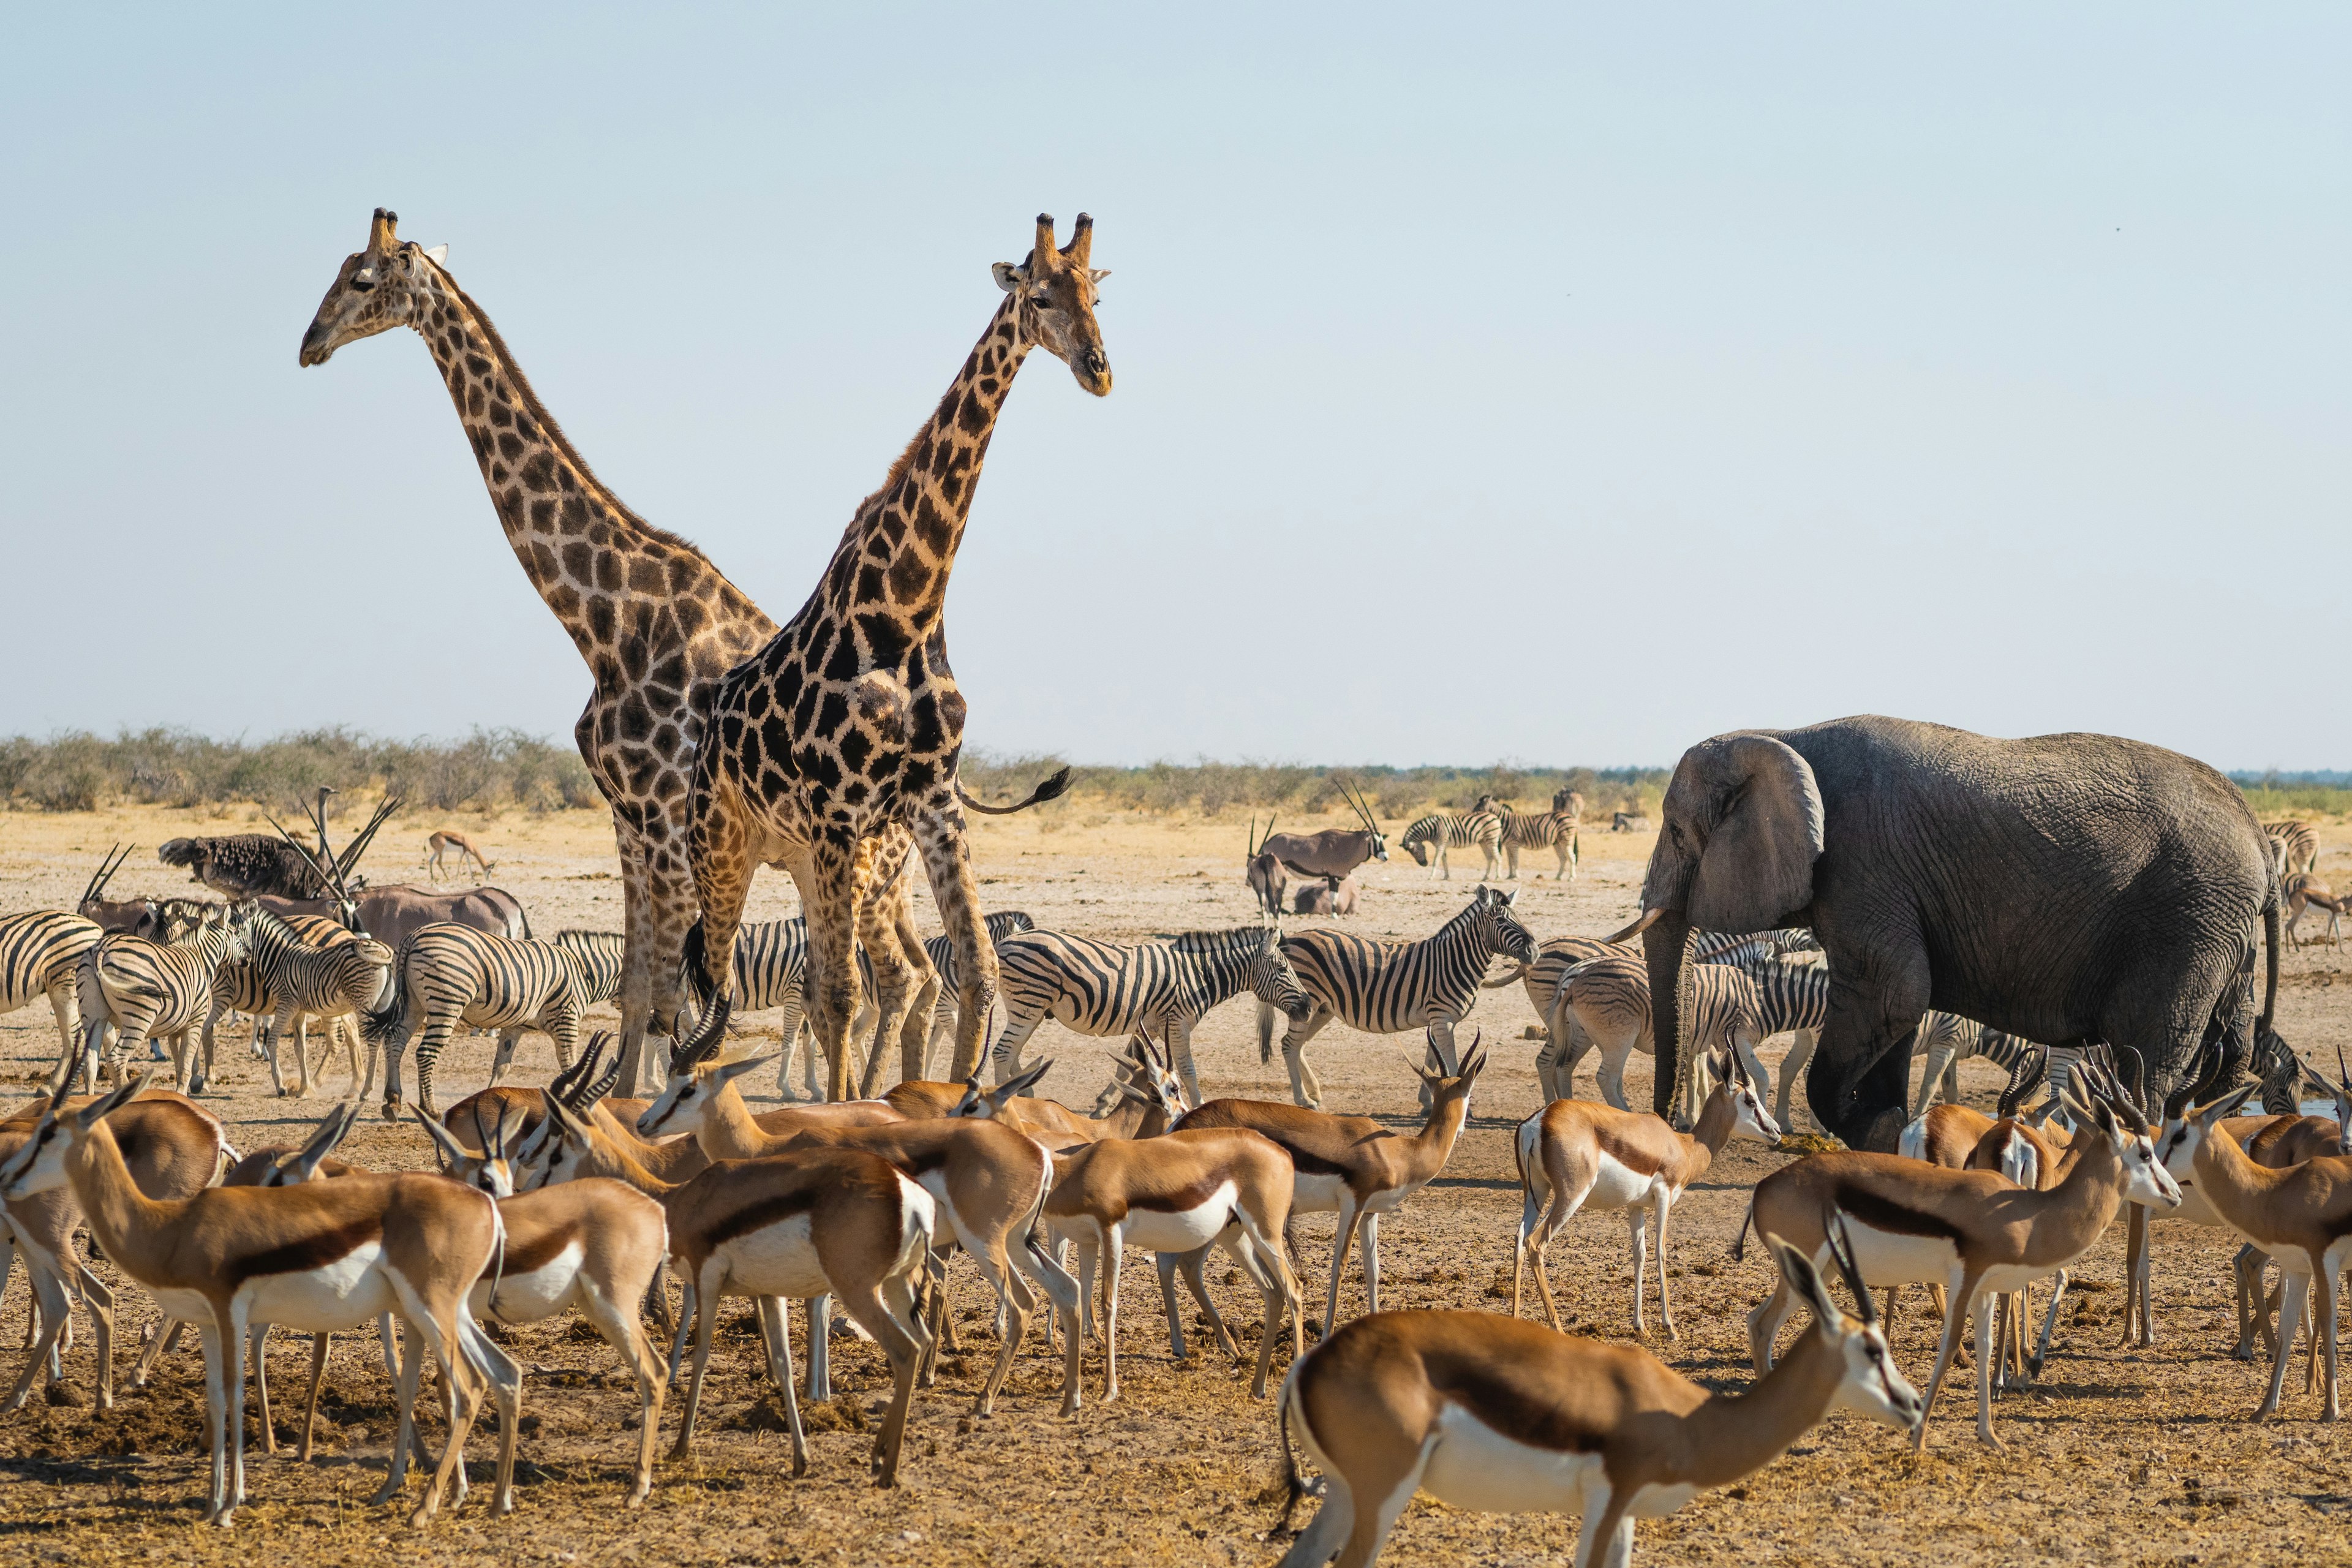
{"x": 527, "y": 1297}
{"x": 1180, "y": 1230}
{"x": 1473, "y": 1465}
{"x": 777, "y": 1259}
{"x": 1317, "y": 1193}
{"x": 344, "y": 1294}
{"x": 1894, "y": 1258}
{"x": 1617, "y": 1185}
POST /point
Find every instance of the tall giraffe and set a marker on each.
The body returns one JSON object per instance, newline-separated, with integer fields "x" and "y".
{"x": 657, "y": 624}
{"x": 848, "y": 723}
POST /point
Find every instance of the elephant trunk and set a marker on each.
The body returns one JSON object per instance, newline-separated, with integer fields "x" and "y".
{"x": 1664, "y": 942}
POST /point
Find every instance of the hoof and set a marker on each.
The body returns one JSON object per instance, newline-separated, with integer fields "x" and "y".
{"x": 385, "y": 1494}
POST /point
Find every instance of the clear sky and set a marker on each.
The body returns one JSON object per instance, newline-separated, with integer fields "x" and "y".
{"x": 1561, "y": 384}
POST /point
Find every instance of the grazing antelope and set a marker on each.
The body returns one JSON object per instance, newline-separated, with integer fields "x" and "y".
{"x": 1976, "y": 1232}
{"x": 171, "y": 1148}
{"x": 1331, "y": 896}
{"x": 2301, "y": 1216}
{"x": 1165, "y": 987}
{"x": 2305, "y": 891}
{"x": 1351, "y": 1166}
{"x": 1428, "y": 839}
{"x": 987, "y": 1180}
{"x": 146, "y": 991}
{"x": 40, "y": 955}
{"x": 1389, "y": 987}
{"x": 1575, "y": 1155}
{"x": 815, "y": 1223}
{"x": 594, "y": 1246}
{"x": 1499, "y": 1415}
{"x": 1334, "y": 851}
{"x": 446, "y": 841}
{"x": 316, "y": 1258}
{"x": 1186, "y": 1189}
{"x": 1265, "y": 874}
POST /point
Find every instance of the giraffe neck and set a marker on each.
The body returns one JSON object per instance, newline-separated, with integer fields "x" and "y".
{"x": 900, "y": 547}
{"x": 595, "y": 562}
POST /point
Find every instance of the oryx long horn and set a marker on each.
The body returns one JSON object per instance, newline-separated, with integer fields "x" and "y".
{"x": 108, "y": 864}
{"x": 326, "y": 878}
{"x": 349, "y": 861}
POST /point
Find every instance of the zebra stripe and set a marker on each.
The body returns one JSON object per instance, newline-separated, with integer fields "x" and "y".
{"x": 1438, "y": 833}
{"x": 600, "y": 955}
{"x": 1554, "y": 830}
{"x": 296, "y": 981}
{"x": 39, "y": 953}
{"x": 449, "y": 974}
{"x": 1947, "y": 1040}
{"x": 1389, "y": 987}
{"x": 1162, "y": 987}
{"x": 2294, "y": 847}
{"x": 147, "y": 990}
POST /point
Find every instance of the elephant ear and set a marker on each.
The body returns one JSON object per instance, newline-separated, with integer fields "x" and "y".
{"x": 1756, "y": 863}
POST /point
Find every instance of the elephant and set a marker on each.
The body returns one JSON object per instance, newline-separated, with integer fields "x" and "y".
{"x": 2066, "y": 889}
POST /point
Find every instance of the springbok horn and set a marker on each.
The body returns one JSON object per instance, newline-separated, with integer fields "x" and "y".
{"x": 1649, "y": 918}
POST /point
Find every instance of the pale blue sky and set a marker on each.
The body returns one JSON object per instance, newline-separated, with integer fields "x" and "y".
{"x": 1563, "y": 384}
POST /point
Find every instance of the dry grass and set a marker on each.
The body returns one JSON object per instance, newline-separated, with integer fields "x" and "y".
{"x": 2117, "y": 1457}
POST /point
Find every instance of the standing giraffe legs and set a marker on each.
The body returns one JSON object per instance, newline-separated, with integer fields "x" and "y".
{"x": 838, "y": 880}
{"x": 946, "y": 860}
{"x": 900, "y": 967}
{"x": 671, "y": 910}
{"x": 721, "y": 850}
{"x": 915, "y": 1034}
{"x": 636, "y": 999}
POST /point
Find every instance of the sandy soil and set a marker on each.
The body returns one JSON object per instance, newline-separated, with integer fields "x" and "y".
{"x": 2117, "y": 1457}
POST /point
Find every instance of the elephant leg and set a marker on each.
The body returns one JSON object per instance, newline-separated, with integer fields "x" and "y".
{"x": 1861, "y": 1070}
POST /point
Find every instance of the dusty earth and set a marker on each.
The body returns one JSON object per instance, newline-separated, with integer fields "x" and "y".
{"x": 2117, "y": 1457}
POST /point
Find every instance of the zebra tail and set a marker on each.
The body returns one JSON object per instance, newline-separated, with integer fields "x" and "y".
{"x": 1053, "y": 788}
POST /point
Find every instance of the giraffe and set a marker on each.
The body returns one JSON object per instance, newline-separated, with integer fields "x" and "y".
{"x": 657, "y": 622}
{"x": 849, "y": 723}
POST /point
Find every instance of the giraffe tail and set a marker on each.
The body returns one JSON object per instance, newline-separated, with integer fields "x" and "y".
{"x": 1053, "y": 788}
{"x": 690, "y": 959}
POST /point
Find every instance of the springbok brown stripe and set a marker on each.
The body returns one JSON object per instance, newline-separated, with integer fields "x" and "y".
{"x": 761, "y": 1214}
{"x": 1881, "y": 1213}
{"x": 303, "y": 1253}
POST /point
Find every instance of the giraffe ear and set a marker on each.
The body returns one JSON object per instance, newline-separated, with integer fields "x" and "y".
{"x": 1010, "y": 276}
{"x": 438, "y": 255}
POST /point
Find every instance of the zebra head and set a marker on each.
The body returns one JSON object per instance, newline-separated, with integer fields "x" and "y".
{"x": 1275, "y": 983}
{"x": 1501, "y": 928}
{"x": 1422, "y": 837}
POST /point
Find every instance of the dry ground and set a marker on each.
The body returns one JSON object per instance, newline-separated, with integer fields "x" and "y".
{"x": 2120, "y": 1457}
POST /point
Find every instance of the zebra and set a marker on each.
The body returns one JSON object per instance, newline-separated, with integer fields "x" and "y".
{"x": 296, "y": 980}
{"x": 1001, "y": 925}
{"x": 1563, "y": 1035}
{"x": 1394, "y": 987}
{"x": 448, "y": 974}
{"x": 1947, "y": 1040}
{"x": 1428, "y": 839}
{"x": 245, "y": 986}
{"x": 600, "y": 955}
{"x": 146, "y": 990}
{"x": 1156, "y": 988}
{"x": 1554, "y": 829}
{"x": 39, "y": 953}
{"x": 2294, "y": 847}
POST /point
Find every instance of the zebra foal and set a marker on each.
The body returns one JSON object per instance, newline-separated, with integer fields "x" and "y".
{"x": 40, "y": 955}
{"x": 291, "y": 976}
{"x": 448, "y": 974}
{"x": 1428, "y": 840}
{"x": 1393, "y": 987}
{"x": 1158, "y": 987}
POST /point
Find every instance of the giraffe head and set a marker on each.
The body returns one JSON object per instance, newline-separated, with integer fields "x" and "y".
{"x": 378, "y": 289}
{"x": 1056, "y": 290}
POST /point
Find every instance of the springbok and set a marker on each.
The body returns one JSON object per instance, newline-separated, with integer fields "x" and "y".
{"x": 444, "y": 842}
{"x": 1575, "y": 1155}
{"x": 1976, "y": 1232}
{"x": 1503, "y": 1417}
{"x": 2303, "y": 890}
{"x": 318, "y": 1256}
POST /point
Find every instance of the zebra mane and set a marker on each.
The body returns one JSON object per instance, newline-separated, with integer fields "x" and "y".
{"x": 580, "y": 936}
{"x": 1237, "y": 939}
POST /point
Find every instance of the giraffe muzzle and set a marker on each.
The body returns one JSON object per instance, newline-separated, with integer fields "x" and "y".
{"x": 1094, "y": 368}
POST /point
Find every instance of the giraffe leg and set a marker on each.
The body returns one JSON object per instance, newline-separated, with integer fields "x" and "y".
{"x": 915, "y": 1034}
{"x": 897, "y": 972}
{"x": 947, "y": 861}
{"x": 720, "y": 840}
{"x": 671, "y": 910}
{"x": 636, "y": 998}
{"x": 830, "y": 897}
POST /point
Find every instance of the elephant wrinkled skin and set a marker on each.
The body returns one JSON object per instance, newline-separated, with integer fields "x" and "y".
{"x": 2063, "y": 887}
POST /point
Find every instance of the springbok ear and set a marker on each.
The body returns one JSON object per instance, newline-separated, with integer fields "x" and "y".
{"x": 445, "y": 1147}
{"x": 107, "y": 1104}
{"x": 1010, "y": 276}
{"x": 2207, "y": 1115}
{"x": 731, "y": 1072}
{"x": 1027, "y": 1080}
{"x": 438, "y": 255}
{"x": 1803, "y": 1279}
